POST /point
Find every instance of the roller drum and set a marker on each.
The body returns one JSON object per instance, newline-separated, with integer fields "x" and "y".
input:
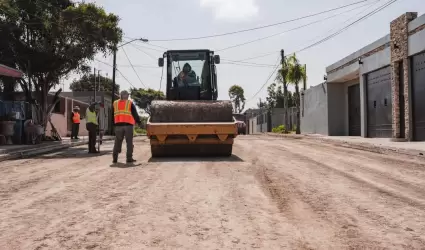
{"x": 191, "y": 111}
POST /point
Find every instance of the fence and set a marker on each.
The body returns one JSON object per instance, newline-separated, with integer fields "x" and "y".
{"x": 265, "y": 121}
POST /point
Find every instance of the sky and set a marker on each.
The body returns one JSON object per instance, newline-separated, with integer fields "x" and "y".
{"x": 169, "y": 19}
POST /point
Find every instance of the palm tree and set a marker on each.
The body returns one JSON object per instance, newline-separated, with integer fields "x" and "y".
{"x": 296, "y": 74}
{"x": 281, "y": 77}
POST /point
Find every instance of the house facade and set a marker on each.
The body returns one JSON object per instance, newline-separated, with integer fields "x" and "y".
{"x": 376, "y": 91}
{"x": 103, "y": 97}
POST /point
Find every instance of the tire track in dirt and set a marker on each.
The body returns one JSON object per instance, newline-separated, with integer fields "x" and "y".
{"x": 36, "y": 187}
{"x": 379, "y": 170}
{"x": 65, "y": 201}
{"x": 322, "y": 174}
{"x": 397, "y": 188}
{"x": 310, "y": 230}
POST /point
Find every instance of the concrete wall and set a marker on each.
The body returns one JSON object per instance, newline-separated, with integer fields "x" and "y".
{"x": 252, "y": 125}
{"x": 314, "y": 110}
{"x": 262, "y": 123}
{"x": 60, "y": 122}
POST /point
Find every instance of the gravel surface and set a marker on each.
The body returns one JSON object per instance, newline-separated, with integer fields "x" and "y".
{"x": 273, "y": 193}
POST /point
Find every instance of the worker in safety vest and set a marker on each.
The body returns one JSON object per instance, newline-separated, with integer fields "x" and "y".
{"x": 125, "y": 117}
{"x": 75, "y": 121}
{"x": 91, "y": 125}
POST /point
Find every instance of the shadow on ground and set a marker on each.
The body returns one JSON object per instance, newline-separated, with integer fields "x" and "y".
{"x": 125, "y": 165}
{"x": 73, "y": 153}
{"x": 232, "y": 158}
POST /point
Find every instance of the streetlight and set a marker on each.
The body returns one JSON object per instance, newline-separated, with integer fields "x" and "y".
{"x": 114, "y": 68}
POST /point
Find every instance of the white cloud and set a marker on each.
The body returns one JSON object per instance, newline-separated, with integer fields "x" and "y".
{"x": 232, "y": 10}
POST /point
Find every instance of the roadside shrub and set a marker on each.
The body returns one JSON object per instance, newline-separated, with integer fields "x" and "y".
{"x": 281, "y": 129}
{"x": 294, "y": 128}
{"x": 139, "y": 131}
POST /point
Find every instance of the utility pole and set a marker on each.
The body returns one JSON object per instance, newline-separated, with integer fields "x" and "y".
{"x": 94, "y": 87}
{"x": 99, "y": 81}
{"x": 285, "y": 97}
{"x": 261, "y": 116}
{"x": 305, "y": 80}
{"x": 114, "y": 66}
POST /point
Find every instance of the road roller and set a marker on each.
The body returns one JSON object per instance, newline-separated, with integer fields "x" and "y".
{"x": 191, "y": 121}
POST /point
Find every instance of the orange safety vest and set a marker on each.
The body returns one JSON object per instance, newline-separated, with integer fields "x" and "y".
{"x": 122, "y": 112}
{"x": 76, "y": 118}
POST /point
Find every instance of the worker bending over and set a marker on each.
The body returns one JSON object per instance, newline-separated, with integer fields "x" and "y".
{"x": 125, "y": 117}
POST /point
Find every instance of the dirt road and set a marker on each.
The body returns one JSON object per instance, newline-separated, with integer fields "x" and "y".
{"x": 273, "y": 193}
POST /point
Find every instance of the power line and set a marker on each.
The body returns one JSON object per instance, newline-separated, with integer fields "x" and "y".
{"x": 349, "y": 25}
{"x": 125, "y": 53}
{"x": 247, "y": 64}
{"x": 144, "y": 47}
{"x": 274, "y": 52}
{"x": 144, "y": 52}
{"x": 330, "y": 36}
{"x": 267, "y": 81}
{"x": 257, "y": 28}
{"x": 125, "y": 78}
{"x": 259, "y": 56}
{"x": 296, "y": 28}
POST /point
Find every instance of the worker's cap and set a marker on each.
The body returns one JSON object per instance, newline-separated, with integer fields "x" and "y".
{"x": 76, "y": 108}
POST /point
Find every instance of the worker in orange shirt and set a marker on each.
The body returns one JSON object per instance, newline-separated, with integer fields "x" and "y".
{"x": 125, "y": 117}
{"x": 75, "y": 121}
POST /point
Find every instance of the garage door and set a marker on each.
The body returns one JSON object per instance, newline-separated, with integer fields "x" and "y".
{"x": 379, "y": 103}
{"x": 418, "y": 96}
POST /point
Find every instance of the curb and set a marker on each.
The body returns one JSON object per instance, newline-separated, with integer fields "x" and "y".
{"x": 47, "y": 149}
{"x": 35, "y": 152}
{"x": 365, "y": 146}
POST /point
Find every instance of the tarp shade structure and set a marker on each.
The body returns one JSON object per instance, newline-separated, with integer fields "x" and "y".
{"x": 11, "y": 72}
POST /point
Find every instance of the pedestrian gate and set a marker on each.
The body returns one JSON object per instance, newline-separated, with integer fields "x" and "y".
{"x": 354, "y": 110}
{"x": 379, "y": 103}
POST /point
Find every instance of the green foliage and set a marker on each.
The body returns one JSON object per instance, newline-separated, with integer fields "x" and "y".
{"x": 296, "y": 74}
{"x": 276, "y": 98}
{"x": 262, "y": 105}
{"x": 236, "y": 94}
{"x": 49, "y": 39}
{"x": 139, "y": 131}
{"x": 281, "y": 129}
{"x": 86, "y": 83}
{"x": 294, "y": 127}
{"x": 143, "y": 97}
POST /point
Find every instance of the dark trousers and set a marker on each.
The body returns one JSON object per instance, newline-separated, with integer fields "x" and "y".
{"x": 122, "y": 132}
{"x": 92, "y": 128}
{"x": 75, "y": 129}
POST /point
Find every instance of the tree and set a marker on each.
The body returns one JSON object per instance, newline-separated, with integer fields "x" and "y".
{"x": 236, "y": 94}
{"x": 296, "y": 74}
{"x": 281, "y": 78}
{"x": 143, "y": 97}
{"x": 86, "y": 83}
{"x": 275, "y": 98}
{"x": 49, "y": 39}
{"x": 262, "y": 105}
